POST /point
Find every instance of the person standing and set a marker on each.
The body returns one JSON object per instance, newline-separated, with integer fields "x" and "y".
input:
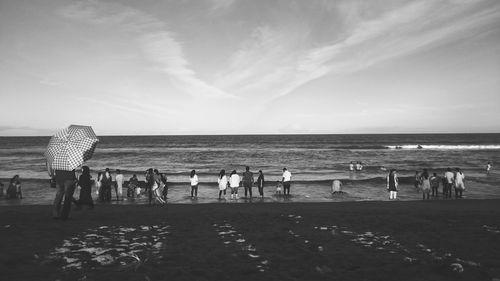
{"x": 260, "y": 184}
{"x": 488, "y": 168}
{"x": 133, "y": 183}
{"x": 119, "y": 185}
{"x": 98, "y": 187}
{"x": 351, "y": 166}
{"x": 234, "y": 183}
{"x": 287, "y": 181}
{"x": 65, "y": 187}
{"x": 459, "y": 183}
{"x": 85, "y": 183}
{"x": 222, "y": 181}
{"x": 417, "y": 180}
{"x": 449, "y": 176}
{"x": 392, "y": 184}
{"x": 194, "y": 184}
{"x": 434, "y": 180}
{"x": 248, "y": 181}
{"x": 425, "y": 184}
{"x": 164, "y": 186}
{"x": 106, "y": 182}
{"x": 156, "y": 186}
{"x": 150, "y": 181}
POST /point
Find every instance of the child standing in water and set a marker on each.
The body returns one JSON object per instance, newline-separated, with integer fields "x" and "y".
{"x": 426, "y": 185}
{"x": 278, "y": 188}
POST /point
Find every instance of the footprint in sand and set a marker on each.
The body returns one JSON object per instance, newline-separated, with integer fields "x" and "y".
{"x": 109, "y": 247}
{"x": 226, "y": 231}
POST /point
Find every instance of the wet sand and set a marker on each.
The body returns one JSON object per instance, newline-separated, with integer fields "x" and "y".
{"x": 402, "y": 240}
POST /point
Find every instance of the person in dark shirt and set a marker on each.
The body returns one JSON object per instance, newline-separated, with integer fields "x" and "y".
{"x": 260, "y": 184}
{"x": 85, "y": 183}
{"x": 248, "y": 181}
{"x": 65, "y": 187}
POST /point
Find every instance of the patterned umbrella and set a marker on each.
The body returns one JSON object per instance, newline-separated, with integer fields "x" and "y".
{"x": 70, "y": 147}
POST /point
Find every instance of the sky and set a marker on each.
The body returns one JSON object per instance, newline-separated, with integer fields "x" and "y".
{"x": 250, "y": 66}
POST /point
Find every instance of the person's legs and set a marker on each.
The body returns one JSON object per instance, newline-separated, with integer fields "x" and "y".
{"x": 286, "y": 188}
{"x": 150, "y": 194}
{"x": 261, "y": 191}
{"x": 196, "y": 191}
{"x": 69, "y": 189}
{"x": 120, "y": 192}
{"x": 56, "y": 210}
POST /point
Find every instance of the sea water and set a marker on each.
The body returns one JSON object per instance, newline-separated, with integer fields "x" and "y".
{"x": 313, "y": 160}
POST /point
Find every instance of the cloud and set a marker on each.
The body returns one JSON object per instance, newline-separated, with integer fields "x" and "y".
{"x": 277, "y": 61}
{"x": 156, "y": 41}
{"x": 221, "y": 5}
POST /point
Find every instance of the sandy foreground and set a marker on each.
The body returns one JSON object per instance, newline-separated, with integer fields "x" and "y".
{"x": 405, "y": 240}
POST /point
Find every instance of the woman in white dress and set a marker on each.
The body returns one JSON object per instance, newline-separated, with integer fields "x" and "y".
{"x": 459, "y": 183}
{"x": 222, "y": 181}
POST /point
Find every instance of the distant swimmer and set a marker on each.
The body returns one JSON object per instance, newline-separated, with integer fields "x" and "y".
{"x": 488, "y": 168}
{"x": 351, "y": 166}
{"x": 382, "y": 168}
{"x": 419, "y": 146}
{"x": 359, "y": 166}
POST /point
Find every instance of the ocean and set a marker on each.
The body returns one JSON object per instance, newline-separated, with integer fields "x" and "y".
{"x": 313, "y": 160}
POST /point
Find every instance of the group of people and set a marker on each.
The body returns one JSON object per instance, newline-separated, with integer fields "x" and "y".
{"x": 429, "y": 184}
{"x": 358, "y": 166}
{"x": 247, "y": 180}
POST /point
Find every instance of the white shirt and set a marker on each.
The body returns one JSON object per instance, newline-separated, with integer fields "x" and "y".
{"x": 449, "y": 176}
{"x": 194, "y": 180}
{"x": 222, "y": 182}
{"x": 119, "y": 179}
{"x": 287, "y": 176}
{"x": 459, "y": 178}
{"x": 234, "y": 181}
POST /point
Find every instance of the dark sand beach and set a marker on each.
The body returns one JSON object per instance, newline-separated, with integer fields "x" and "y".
{"x": 404, "y": 240}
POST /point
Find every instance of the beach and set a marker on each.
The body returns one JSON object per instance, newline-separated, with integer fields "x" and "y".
{"x": 400, "y": 240}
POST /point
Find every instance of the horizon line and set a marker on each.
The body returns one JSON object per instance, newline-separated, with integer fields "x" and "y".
{"x": 270, "y": 134}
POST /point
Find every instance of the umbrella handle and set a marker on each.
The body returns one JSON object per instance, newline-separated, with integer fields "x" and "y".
{"x": 49, "y": 169}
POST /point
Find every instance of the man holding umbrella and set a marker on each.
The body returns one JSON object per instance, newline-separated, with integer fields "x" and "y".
{"x": 67, "y": 150}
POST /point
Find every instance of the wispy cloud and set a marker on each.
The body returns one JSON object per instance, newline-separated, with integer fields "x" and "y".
{"x": 277, "y": 61}
{"x": 157, "y": 42}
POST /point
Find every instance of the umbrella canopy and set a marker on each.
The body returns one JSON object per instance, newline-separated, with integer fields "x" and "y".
{"x": 70, "y": 147}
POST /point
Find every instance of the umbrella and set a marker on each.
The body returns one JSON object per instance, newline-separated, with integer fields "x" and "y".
{"x": 70, "y": 147}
